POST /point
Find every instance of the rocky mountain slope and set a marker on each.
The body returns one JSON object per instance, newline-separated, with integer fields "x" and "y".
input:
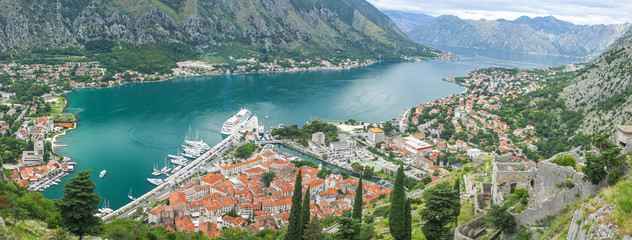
{"x": 408, "y": 21}
{"x": 540, "y": 35}
{"x": 604, "y": 90}
{"x": 296, "y": 27}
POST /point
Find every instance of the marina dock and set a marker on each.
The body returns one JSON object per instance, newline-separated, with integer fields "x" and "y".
{"x": 196, "y": 165}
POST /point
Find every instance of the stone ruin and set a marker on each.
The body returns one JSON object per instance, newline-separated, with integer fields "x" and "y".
{"x": 508, "y": 176}
{"x": 470, "y": 230}
{"x": 552, "y": 193}
{"x": 479, "y": 191}
{"x": 624, "y": 138}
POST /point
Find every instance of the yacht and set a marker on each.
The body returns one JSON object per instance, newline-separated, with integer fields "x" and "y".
{"x": 235, "y": 122}
{"x": 155, "y": 181}
{"x": 176, "y": 169}
{"x": 261, "y": 129}
{"x": 102, "y": 173}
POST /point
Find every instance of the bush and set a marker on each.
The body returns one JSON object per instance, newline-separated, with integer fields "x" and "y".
{"x": 500, "y": 218}
{"x": 565, "y": 160}
{"x": 615, "y": 177}
{"x": 567, "y": 184}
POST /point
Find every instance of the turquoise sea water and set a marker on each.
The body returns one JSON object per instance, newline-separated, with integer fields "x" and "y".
{"x": 127, "y": 129}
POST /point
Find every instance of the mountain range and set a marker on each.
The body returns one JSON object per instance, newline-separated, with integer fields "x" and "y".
{"x": 245, "y": 27}
{"x": 539, "y": 35}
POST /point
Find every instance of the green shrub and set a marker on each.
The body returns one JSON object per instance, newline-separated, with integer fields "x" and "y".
{"x": 565, "y": 160}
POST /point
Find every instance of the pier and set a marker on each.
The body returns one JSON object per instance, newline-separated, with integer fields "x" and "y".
{"x": 170, "y": 182}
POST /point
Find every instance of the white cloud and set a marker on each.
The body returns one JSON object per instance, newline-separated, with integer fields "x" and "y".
{"x": 576, "y": 11}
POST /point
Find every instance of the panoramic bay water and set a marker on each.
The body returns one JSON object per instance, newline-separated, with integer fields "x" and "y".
{"x": 127, "y": 129}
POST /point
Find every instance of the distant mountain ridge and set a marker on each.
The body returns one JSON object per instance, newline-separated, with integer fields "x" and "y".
{"x": 295, "y": 27}
{"x": 539, "y": 35}
{"x": 408, "y": 21}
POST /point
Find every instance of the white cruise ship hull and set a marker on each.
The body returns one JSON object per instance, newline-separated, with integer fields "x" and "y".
{"x": 234, "y": 123}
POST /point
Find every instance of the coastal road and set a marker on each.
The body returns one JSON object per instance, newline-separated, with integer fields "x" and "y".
{"x": 179, "y": 176}
{"x": 170, "y": 188}
{"x": 207, "y": 159}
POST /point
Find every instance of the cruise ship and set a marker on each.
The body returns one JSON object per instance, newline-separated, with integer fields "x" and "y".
{"x": 235, "y": 122}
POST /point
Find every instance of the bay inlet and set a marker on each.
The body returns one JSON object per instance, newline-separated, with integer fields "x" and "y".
{"x": 126, "y": 130}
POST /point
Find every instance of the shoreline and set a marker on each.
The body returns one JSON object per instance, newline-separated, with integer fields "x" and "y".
{"x": 230, "y": 74}
{"x": 62, "y": 133}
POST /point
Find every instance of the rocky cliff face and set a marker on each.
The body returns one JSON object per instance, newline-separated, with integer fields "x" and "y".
{"x": 408, "y": 21}
{"x": 543, "y": 35}
{"x": 604, "y": 90}
{"x": 261, "y": 25}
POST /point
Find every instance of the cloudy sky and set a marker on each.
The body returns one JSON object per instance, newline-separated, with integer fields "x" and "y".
{"x": 576, "y": 11}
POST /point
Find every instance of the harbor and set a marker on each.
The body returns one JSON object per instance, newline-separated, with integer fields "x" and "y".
{"x": 203, "y": 162}
{"x": 142, "y": 123}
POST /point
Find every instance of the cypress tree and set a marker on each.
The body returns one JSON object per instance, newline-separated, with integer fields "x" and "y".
{"x": 457, "y": 185}
{"x": 409, "y": 221}
{"x": 79, "y": 204}
{"x": 442, "y": 208}
{"x": 294, "y": 228}
{"x": 457, "y": 200}
{"x": 313, "y": 230}
{"x": 357, "y": 202}
{"x": 305, "y": 213}
{"x": 397, "y": 216}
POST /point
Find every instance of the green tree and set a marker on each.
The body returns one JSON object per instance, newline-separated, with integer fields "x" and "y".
{"x": 610, "y": 158}
{"x": 245, "y": 150}
{"x": 18, "y": 214}
{"x": 267, "y": 178}
{"x": 501, "y": 219}
{"x": 397, "y": 217}
{"x": 313, "y": 230}
{"x": 305, "y": 210}
{"x": 118, "y": 232}
{"x": 409, "y": 220}
{"x": 594, "y": 169}
{"x": 440, "y": 210}
{"x": 367, "y": 232}
{"x": 457, "y": 195}
{"x": 294, "y": 228}
{"x": 232, "y": 213}
{"x": 79, "y": 204}
{"x": 348, "y": 229}
{"x": 357, "y": 202}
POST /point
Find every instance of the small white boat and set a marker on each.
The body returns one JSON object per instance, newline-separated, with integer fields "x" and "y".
{"x": 102, "y": 173}
{"x": 130, "y": 195}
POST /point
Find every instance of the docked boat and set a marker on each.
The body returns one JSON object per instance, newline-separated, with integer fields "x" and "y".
{"x": 176, "y": 169}
{"x": 261, "y": 129}
{"x": 155, "y": 181}
{"x": 235, "y": 122}
{"x": 102, "y": 174}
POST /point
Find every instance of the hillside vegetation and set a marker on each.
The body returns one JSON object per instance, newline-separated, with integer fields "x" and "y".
{"x": 603, "y": 91}
{"x": 249, "y": 28}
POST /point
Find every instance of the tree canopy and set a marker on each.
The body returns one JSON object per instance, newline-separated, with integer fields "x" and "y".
{"x": 79, "y": 204}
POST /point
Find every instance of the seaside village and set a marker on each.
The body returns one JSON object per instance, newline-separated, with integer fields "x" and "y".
{"x": 37, "y": 169}
{"x": 77, "y": 75}
{"x": 430, "y": 139}
{"x": 203, "y": 204}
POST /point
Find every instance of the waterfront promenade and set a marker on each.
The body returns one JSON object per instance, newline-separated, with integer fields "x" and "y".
{"x": 173, "y": 180}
